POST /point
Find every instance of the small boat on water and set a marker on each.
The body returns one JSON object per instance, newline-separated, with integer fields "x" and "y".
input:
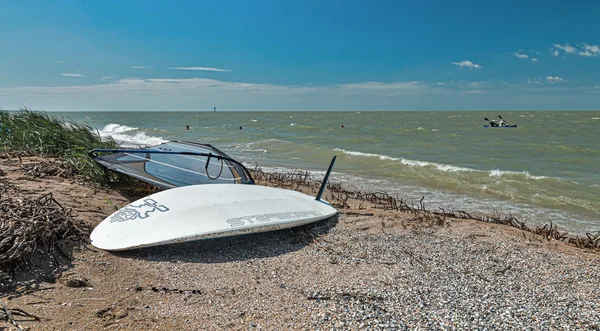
{"x": 508, "y": 126}
{"x": 502, "y": 124}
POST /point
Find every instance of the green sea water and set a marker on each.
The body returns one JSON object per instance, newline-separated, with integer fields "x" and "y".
{"x": 545, "y": 169}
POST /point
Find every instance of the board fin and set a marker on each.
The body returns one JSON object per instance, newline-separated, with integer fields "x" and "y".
{"x": 324, "y": 183}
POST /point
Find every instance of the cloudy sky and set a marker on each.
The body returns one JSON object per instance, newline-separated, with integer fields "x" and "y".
{"x": 299, "y": 55}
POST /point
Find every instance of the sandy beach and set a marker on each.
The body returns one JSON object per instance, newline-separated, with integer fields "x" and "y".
{"x": 366, "y": 268}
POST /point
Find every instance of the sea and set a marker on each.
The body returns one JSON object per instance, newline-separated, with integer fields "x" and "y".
{"x": 546, "y": 169}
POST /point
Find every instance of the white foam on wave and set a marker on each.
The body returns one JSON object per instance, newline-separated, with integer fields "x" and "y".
{"x": 260, "y": 146}
{"x": 440, "y": 166}
{"x": 381, "y": 157}
{"x": 500, "y": 173}
{"x": 410, "y": 163}
{"x": 117, "y": 128}
{"x": 292, "y": 124}
{"x": 124, "y": 136}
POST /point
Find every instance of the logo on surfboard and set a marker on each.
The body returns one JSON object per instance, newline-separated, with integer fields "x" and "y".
{"x": 132, "y": 212}
{"x": 239, "y": 221}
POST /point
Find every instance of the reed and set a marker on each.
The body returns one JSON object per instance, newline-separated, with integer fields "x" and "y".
{"x": 34, "y": 133}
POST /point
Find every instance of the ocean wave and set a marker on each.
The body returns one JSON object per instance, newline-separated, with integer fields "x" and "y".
{"x": 262, "y": 151}
{"x": 500, "y": 173}
{"x": 410, "y": 163}
{"x": 381, "y": 157}
{"x": 118, "y": 133}
{"x": 261, "y": 146}
{"x": 440, "y": 166}
{"x": 117, "y": 128}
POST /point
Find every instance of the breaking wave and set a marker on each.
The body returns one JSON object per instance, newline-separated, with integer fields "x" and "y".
{"x": 440, "y": 166}
{"x": 407, "y": 162}
{"x": 127, "y": 136}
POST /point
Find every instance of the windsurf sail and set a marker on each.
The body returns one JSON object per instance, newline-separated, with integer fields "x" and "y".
{"x": 175, "y": 164}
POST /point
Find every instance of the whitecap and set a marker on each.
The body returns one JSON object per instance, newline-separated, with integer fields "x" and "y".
{"x": 118, "y": 133}
{"x": 410, "y": 163}
{"x": 500, "y": 173}
{"x": 117, "y": 128}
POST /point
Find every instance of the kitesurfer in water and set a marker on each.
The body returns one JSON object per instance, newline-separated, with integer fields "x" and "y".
{"x": 493, "y": 123}
{"x": 187, "y": 127}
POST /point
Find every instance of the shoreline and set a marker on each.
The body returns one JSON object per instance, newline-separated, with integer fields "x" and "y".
{"x": 377, "y": 264}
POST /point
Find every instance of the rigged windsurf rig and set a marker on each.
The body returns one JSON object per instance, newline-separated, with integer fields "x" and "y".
{"x": 175, "y": 164}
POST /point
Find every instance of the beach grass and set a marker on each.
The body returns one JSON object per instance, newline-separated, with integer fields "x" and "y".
{"x": 36, "y": 133}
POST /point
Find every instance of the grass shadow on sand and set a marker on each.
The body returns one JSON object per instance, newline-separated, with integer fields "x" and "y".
{"x": 236, "y": 248}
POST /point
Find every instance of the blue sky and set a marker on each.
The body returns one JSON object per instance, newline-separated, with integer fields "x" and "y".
{"x": 299, "y": 55}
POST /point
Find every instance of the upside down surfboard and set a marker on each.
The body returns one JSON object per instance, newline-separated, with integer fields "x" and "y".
{"x": 208, "y": 211}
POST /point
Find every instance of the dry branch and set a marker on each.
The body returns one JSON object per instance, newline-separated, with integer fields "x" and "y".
{"x": 31, "y": 226}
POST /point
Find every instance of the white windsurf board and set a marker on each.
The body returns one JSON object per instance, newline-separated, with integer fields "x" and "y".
{"x": 206, "y": 211}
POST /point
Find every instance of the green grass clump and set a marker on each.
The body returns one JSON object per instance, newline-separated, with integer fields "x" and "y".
{"x": 33, "y": 133}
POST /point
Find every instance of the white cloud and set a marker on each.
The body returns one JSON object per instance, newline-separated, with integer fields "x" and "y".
{"x": 589, "y": 50}
{"x": 480, "y": 86}
{"x": 105, "y": 78}
{"x": 523, "y": 56}
{"x": 382, "y": 86}
{"x": 534, "y": 80}
{"x": 583, "y": 49}
{"x": 192, "y": 93}
{"x": 555, "y": 79}
{"x": 71, "y": 75}
{"x": 565, "y": 48}
{"x": 204, "y": 94}
{"x": 199, "y": 69}
{"x": 376, "y": 88}
{"x": 520, "y": 55}
{"x": 467, "y": 64}
{"x": 138, "y": 67}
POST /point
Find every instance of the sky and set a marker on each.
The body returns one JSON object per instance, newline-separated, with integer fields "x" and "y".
{"x": 115, "y": 55}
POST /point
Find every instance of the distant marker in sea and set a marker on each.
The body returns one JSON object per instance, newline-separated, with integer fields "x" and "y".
{"x": 214, "y": 109}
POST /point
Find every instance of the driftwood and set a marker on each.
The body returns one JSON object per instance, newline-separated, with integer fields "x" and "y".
{"x": 34, "y": 225}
